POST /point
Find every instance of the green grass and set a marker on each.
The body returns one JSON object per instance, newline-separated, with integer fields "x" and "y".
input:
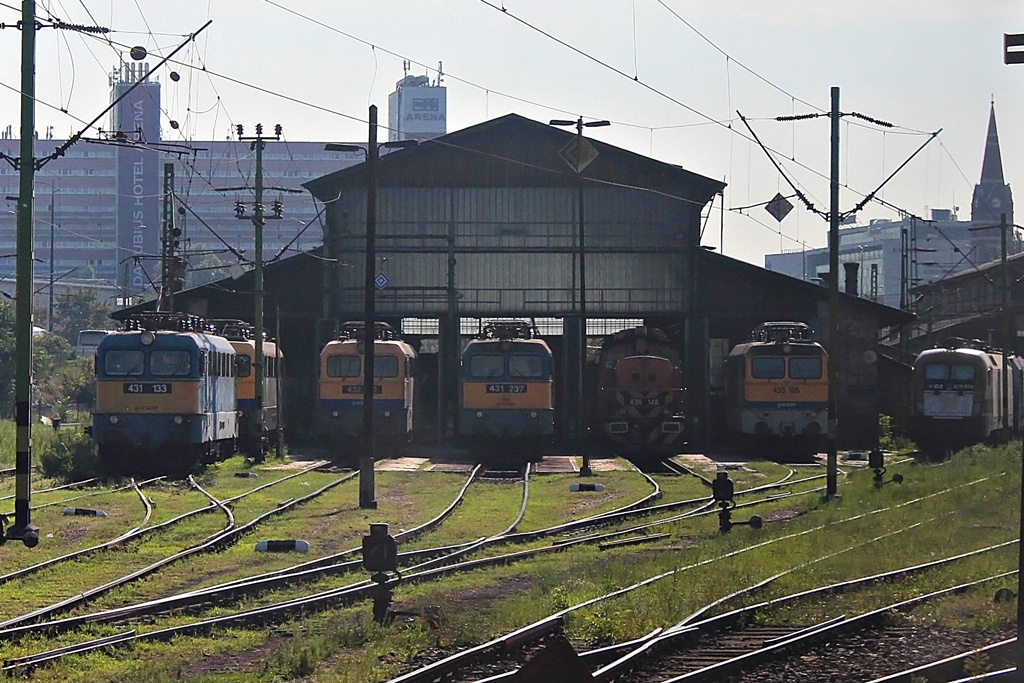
{"x": 967, "y": 503}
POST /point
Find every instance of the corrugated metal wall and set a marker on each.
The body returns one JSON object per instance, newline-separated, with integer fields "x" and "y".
{"x": 516, "y": 251}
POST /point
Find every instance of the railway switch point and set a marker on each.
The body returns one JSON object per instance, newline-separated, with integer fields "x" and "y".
{"x": 876, "y": 461}
{"x": 380, "y": 556}
{"x": 722, "y": 490}
{"x": 380, "y": 551}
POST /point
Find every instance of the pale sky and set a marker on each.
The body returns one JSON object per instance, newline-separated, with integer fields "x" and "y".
{"x": 669, "y": 74}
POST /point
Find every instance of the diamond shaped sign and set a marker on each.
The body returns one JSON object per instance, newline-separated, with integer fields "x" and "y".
{"x": 778, "y": 207}
{"x": 381, "y": 281}
{"x": 578, "y": 153}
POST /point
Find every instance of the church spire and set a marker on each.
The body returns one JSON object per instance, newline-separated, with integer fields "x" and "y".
{"x": 992, "y": 196}
{"x": 992, "y": 165}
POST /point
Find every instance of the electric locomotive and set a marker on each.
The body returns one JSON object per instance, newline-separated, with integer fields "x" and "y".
{"x": 634, "y": 393}
{"x": 964, "y": 394}
{"x": 165, "y": 396}
{"x": 252, "y": 440}
{"x": 341, "y": 385}
{"x": 505, "y": 389}
{"x": 776, "y": 391}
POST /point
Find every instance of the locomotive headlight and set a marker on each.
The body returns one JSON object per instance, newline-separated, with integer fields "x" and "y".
{"x": 147, "y": 338}
{"x": 334, "y": 413}
{"x": 387, "y": 413}
{"x": 178, "y": 420}
{"x": 113, "y": 419}
{"x": 479, "y": 413}
{"x": 810, "y": 414}
{"x": 533, "y": 413}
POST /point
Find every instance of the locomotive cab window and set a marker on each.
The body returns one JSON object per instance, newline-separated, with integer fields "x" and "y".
{"x": 765, "y": 367}
{"x": 486, "y": 366}
{"x": 385, "y": 366}
{"x": 170, "y": 363}
{"x": 124, "y": 362}
{"x": 243, "y": 365}
{"x": 805, "y": 368}
{"x": 527, "y": 366}
{"x": 344, "y": 366}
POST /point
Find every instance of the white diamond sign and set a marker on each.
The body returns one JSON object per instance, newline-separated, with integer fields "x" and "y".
{"x": 381, "y": 281}
{"x": 578, "y": 153}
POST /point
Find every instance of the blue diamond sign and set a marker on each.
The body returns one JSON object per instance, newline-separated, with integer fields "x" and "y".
{"x": 381, "y": 281}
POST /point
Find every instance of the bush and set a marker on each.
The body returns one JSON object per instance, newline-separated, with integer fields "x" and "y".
{"x": 71, "y": 456}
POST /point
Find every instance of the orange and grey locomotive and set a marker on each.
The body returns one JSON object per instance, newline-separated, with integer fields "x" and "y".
{"x": 776, "y": 390}
{"x": 506, "y": 397}
{"x": 341, "y": 385}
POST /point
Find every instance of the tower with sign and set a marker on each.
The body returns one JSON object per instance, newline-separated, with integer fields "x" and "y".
{"x": 417, "y": 109}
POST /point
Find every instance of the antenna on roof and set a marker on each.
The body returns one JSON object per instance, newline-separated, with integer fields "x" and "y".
{"x": 440, "y": 74}
{"x": 405, "y": 67}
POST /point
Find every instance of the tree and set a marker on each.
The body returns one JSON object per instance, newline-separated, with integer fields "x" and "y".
{"x": 79, "y": 309}
{"x": 204, "y": 266}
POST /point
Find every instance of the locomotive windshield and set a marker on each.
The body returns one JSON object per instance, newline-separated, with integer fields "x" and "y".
{"x": 385, "y": 366}
{"x": 805, "y": 368}
{"x": 521, "y": 365}
{"x": 344, "y": 366}
{"x": 352, "y": 366}
{"x": 170, "y": 363}
{"x": 243, "y": 365}
{"x": 958, "y": 376}
{"x": 124, "y": 362}
{"x": 484, "y": 366}
{"x": 767, "y": 367}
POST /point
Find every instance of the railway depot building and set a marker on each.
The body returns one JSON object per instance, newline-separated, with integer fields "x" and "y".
{"x": 486, "y": 223}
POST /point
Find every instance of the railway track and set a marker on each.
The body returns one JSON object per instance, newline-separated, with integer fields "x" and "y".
{"x": 430, "y": 569}
{"x": 424, "y": 565}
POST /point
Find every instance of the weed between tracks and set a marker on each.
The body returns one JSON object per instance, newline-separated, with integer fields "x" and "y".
{"x": 344, "y": 644}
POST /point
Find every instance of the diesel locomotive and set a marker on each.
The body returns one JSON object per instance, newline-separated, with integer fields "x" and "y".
{"x": 634, "y": 395}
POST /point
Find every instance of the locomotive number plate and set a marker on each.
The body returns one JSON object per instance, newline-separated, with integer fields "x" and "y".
{"x": 358, "y": 389}
{"x": 147, "y": 387}
{"x": 642, "y": 402}
{"x": 506, "y": 388}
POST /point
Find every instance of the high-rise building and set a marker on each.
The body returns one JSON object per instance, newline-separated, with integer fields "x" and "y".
{"x": 417, "y": 109}
{"x": 102, "y": 201}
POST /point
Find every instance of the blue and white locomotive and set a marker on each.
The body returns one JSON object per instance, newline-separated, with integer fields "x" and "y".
{"x": 165, "y": 396}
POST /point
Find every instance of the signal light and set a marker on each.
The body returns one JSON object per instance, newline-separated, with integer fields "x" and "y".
{"x": 239, "y": 210}
{"x": 278, "y": 208}
{"x": 277, "y": 130}
{"x": 238, "y": 129}
{"x": 259, "y": 129}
